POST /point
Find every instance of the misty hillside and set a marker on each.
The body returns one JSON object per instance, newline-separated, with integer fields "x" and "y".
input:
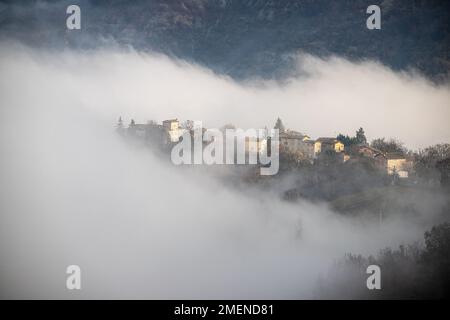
{"x": 117, "y": 160}
{"x": 246, "y": 38}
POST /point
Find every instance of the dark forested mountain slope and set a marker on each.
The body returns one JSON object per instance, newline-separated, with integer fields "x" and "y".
{"x": 245, "y": 38}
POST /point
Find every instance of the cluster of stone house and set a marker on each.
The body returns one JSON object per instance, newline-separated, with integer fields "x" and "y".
{"x": 303, "y": 147}
{"x": 166, "y": 133}
{"x": 298, "y": 145}
{"x": 393, "y": 163}
{"x": 170, "y": 131}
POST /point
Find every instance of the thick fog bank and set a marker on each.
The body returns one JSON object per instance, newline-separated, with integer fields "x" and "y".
{"x": 72, "y": 192}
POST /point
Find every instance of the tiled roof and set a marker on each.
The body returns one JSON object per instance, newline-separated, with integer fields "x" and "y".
{"x": 327, "y": 140}
{"x": 395, "y": 155}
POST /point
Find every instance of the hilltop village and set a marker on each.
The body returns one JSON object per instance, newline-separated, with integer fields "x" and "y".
{"x": 349, "y": 173}
{"x": 294, "y": 146}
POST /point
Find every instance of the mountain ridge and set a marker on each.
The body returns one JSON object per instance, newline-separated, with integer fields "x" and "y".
{"x": 247, "y": 38}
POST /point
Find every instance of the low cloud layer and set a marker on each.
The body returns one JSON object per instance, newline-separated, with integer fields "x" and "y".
{"x": 71, "y": 192}
{"x": 332, "y": 96}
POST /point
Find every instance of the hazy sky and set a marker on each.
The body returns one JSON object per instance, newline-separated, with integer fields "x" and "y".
{"x": 71, "y": 192}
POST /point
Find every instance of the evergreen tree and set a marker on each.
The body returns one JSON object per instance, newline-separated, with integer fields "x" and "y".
{"x": 346, "y": 140}
{"x": 360, "y": 136}
{"x": 119, "y": 125}
{"x": 279, "y": 125}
